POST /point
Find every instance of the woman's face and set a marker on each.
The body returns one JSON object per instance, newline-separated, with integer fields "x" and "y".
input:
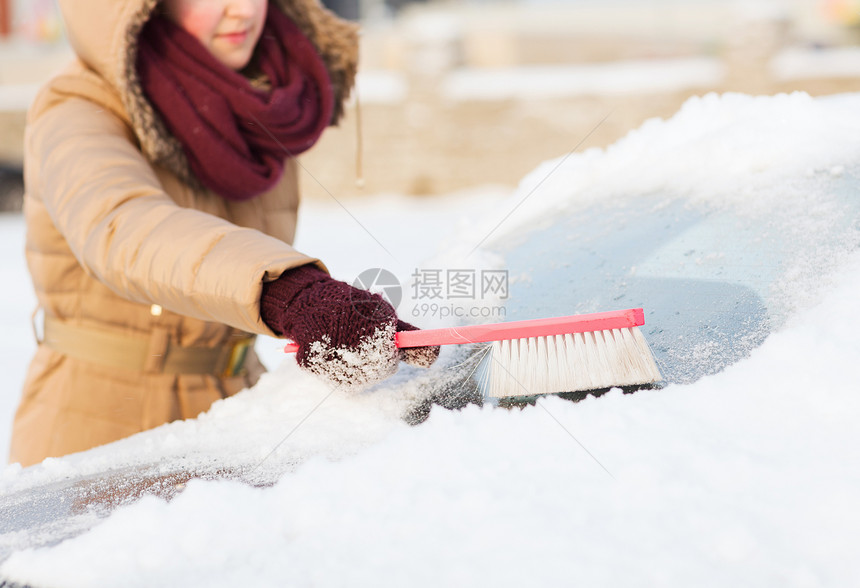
{"x": 229, "y": 29}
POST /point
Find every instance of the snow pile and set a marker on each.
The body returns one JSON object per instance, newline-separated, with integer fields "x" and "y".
{"x": 746, "y": 477}
{"x": 248, "y": 433}
{"x": 729, "y": 150}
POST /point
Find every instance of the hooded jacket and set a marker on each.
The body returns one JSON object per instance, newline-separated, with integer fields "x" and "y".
{"x": 122, "y": 239}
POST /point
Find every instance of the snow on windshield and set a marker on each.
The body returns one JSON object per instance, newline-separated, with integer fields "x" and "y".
{"x": 744, "y": 477}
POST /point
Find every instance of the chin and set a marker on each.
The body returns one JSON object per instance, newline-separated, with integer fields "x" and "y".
{"x": 235, "y": 62}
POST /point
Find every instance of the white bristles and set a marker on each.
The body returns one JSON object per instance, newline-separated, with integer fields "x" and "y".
{"x": 569, "y": 363}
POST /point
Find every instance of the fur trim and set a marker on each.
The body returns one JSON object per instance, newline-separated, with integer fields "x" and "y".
{"x": 156, "y": 142}
{"x": 335, "y": 39}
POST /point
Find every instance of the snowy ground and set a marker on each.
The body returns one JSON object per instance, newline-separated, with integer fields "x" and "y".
{"x": 747, "y": 477}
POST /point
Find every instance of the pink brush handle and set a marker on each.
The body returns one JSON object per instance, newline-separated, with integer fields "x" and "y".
{"x": 581, "y": 323}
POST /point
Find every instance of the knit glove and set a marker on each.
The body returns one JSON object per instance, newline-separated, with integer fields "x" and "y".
{"x": 344, "y": 334}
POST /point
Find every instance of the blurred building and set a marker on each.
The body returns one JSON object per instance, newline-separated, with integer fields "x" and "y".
{"x": 459, "y": 93}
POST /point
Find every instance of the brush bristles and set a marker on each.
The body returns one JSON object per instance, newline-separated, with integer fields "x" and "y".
{"x": 569, "y": 363}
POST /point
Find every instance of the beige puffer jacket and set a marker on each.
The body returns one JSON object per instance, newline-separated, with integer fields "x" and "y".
{"x": 120, "y": 242}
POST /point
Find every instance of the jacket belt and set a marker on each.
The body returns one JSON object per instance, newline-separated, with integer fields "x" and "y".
{"x": 155, "y": 353}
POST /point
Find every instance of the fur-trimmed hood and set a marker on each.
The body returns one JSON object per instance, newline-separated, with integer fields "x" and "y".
{"x": 104, "y": 35}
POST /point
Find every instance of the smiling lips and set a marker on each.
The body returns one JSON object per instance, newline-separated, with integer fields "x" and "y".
{"x": 235, "y": 37}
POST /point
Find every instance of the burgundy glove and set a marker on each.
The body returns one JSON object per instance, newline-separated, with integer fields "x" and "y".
{"x": 344, "y": 334}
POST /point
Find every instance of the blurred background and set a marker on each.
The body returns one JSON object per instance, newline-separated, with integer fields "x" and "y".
{"x": 456, "y": 94}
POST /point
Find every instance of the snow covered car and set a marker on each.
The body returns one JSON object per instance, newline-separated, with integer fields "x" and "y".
{"x": 735, "y": 225}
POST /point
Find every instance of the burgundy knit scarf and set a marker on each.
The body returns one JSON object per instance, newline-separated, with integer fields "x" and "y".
{"x": 237, "y": 137}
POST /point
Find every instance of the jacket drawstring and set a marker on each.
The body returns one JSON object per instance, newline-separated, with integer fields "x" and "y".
{"x": 359, "y": 144}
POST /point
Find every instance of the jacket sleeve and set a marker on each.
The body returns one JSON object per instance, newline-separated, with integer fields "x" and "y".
{"x": 106, "y": 200}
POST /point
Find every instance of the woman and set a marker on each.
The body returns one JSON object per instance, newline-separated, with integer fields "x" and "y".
{"x": 161, "y": 201}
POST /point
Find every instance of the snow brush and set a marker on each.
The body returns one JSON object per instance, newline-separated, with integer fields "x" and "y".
{"x": 552, "y": 355}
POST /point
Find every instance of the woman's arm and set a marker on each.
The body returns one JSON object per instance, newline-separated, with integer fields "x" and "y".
{"x": 107, "y": 202}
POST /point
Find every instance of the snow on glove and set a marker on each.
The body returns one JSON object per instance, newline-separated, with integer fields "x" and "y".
{"x": 344, "y": 334}
{"x": 417, "y": 356}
